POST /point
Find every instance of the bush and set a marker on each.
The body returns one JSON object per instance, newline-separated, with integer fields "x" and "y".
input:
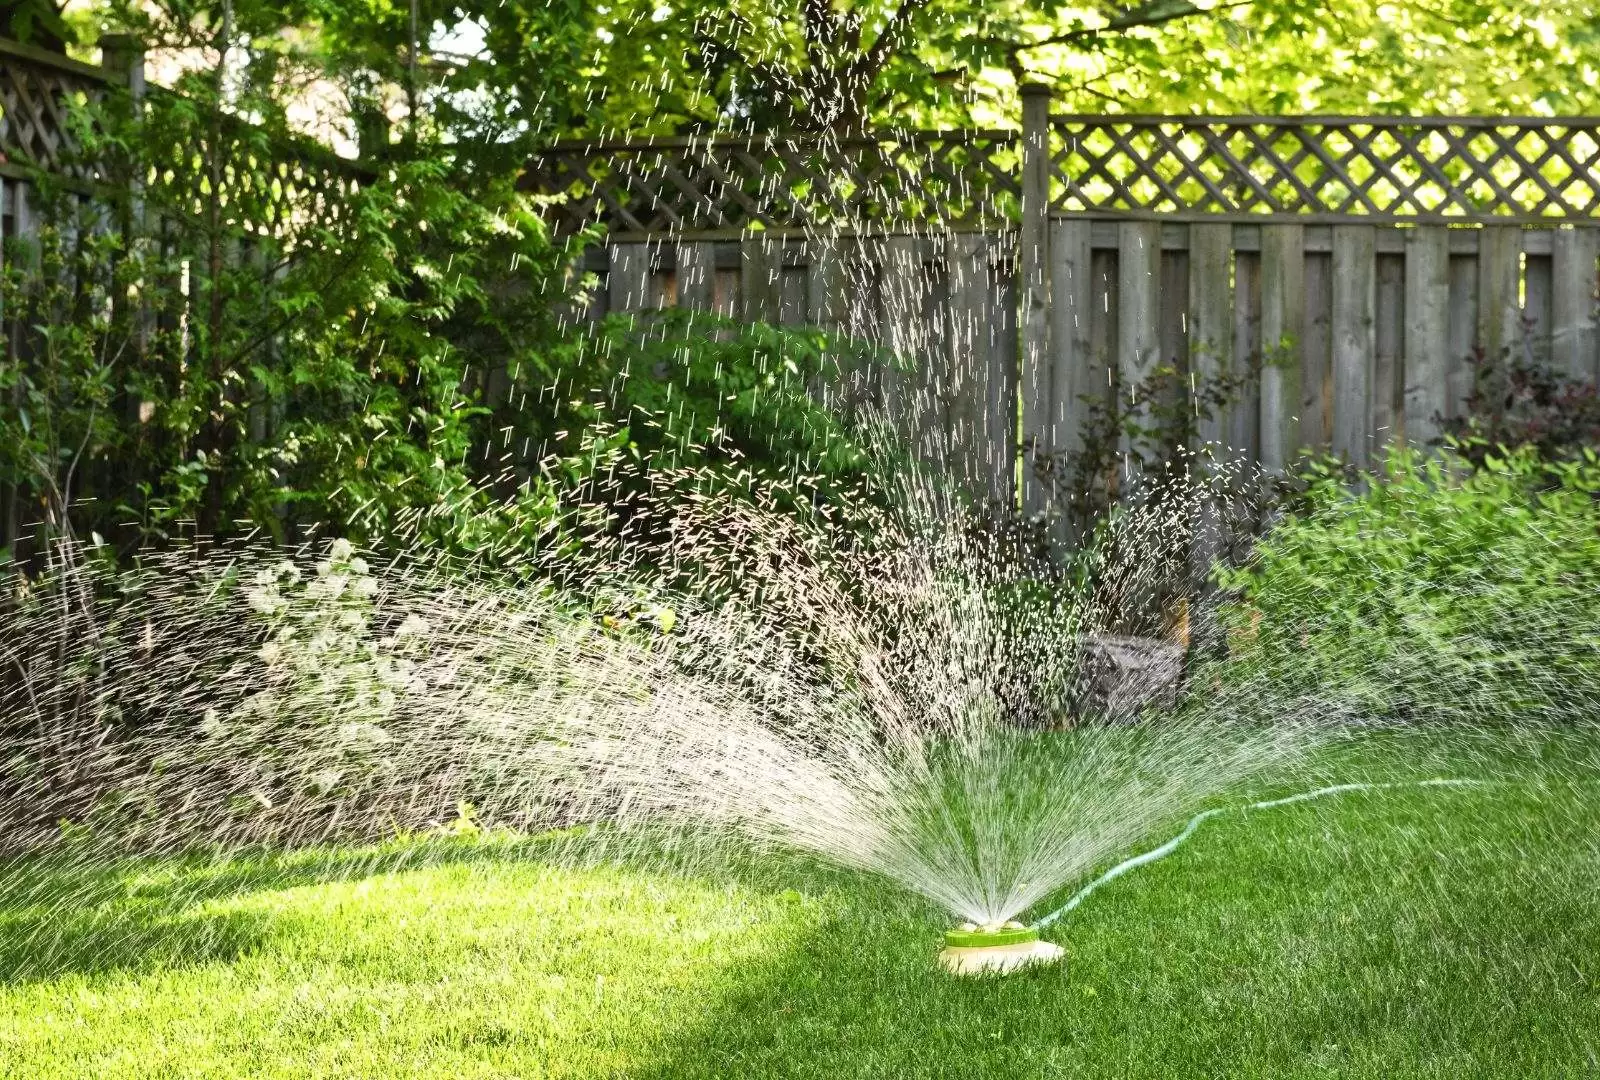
{"x": 1522, "y": 402}
{"x": 1433, "y": 592}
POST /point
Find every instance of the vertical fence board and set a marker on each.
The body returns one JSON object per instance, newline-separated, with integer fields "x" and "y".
{"x": 1244, "y": 414}
{"x": 663, "y": 288}
{"x": 824, "y": 299}
{"x": 901, "y": 295}
{"x": 1210, "y": 315}
{"x": 1388, "y": 366}
{"x": 1000, "y": 384}
{"x": 1316, "y": 369}
{"x": 794, "y": 301}
{"x": 697, "y": 276}
{"x": 1071, "y": 349}
{"x": 1138, "y": 318}
{"x": 968, "y": 365}
{"x": 1463, "y": 331}
{"x": 863, "y": 291}
{"x": 1426, "y": 367}
{"x": 1533, "y": 333}
{"x": 760, "y": 284}
{"x": 725, "y": 297}
{"x": 1353, "y": 345}
{"x": 933, "y": 411}
{"x": 1574, "y": 343}
{"x": 1499, "y": 310}
{"x": 1173, "y": 301}
{"x": 1104, "y": 306}
{"x": 1283, "y": 297}
{"x": 628, "y": 283}
{"x": 1210, "y": 345}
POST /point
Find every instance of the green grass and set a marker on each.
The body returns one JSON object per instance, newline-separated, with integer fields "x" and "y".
{"x": 1408, "y": 933}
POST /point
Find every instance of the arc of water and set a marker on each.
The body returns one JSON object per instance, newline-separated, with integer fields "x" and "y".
{"x": 1194, "y": 823}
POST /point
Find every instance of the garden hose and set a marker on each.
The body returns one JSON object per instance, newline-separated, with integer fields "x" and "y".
{"x": 1194, "y": 823}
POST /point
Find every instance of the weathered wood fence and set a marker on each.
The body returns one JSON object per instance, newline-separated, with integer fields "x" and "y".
{"x": 1356, "y": 265}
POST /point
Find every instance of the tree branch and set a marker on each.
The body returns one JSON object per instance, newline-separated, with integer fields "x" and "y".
{"x": 769, "y": 72}
{"x": 819, "y": 33}
{"x": 878, "y": 53}
{"x": 1152, "y": 13}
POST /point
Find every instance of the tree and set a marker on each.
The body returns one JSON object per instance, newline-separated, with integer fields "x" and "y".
{"x": 35, "y": 22}
{"x": 820, "y": 65}
{"x": 672, "y": 66}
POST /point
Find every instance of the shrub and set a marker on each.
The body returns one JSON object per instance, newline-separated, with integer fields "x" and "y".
{"x": 1525, "y": 403}
{"x": 1433, "y": 592}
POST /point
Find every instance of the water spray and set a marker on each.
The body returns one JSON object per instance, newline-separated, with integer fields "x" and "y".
{"x": 1011, "y": 946}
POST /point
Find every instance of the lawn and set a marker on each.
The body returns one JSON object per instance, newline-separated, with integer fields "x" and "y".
{"x": 1414, "y": 933}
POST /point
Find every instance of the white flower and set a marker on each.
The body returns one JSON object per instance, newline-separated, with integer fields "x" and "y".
{"x": 341, "y": 550}
{"x": 211, "y": 725}
{"x": 326, "y": 780}
{"x": 362, "y": 735}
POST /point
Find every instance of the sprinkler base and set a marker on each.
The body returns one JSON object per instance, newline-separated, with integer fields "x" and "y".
{"x": 995, "y": 951}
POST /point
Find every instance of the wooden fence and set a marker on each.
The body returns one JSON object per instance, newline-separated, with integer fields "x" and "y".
{"x": 270, "y": 188}
{"x": 217, "y": 194}
{"x": 1355, "y": 265}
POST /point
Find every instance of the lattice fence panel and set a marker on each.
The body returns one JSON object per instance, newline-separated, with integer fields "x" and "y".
{"x": 1448, "y": 168}
{"x": 951, "y": 179}
{"x": 36, "y": 101}
{"x": 270, "y": 187}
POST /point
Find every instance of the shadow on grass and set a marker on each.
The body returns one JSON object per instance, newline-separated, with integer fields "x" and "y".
{"x": 73, "y": 912}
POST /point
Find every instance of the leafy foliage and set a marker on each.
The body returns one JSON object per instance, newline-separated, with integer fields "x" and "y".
{"x": 1434, "y": 591}
{"x": 269, "y": 338}
{"x": 669, "y": 68}
{"x": 1522, "y": 402}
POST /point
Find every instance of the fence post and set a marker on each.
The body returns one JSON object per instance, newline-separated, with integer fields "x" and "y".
{"x": 1034, "y": 292}
{"x": 122, "y": 57}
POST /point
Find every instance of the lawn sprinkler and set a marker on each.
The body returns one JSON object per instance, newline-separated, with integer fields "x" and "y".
{"x": 1001, "y": 948}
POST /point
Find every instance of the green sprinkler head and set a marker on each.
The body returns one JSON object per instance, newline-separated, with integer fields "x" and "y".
{"x": 973, "y": 950}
